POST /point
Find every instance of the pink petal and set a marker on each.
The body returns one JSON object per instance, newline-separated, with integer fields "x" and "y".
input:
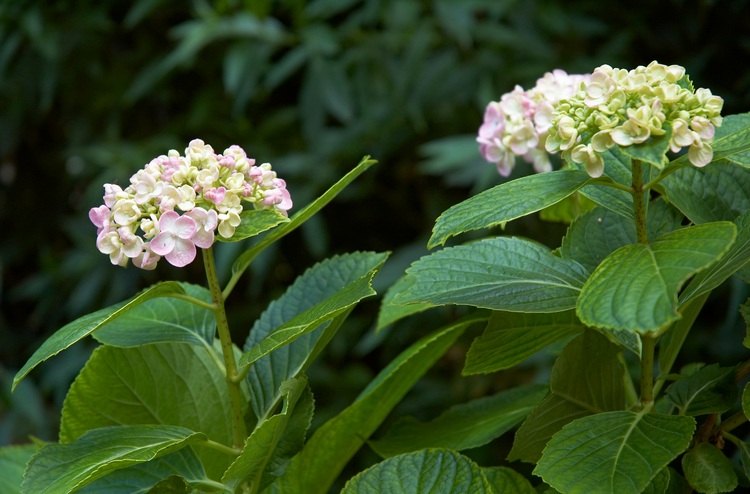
{"x": 203, "y": 239}
{"x": 167, "y": 220}
{"x": 163, "y": 243}
{"x": 182, "y": 254}
{"x": 184, "y": 227}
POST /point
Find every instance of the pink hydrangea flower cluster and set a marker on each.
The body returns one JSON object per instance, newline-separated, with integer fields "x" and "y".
{"x": 518, "y": 124}
{"x": 178, "y": 203}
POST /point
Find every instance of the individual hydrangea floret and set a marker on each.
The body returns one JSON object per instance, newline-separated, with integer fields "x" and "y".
{"x": 623, "y": 108}
{"x": 176, "y": 204}
{"x": 517, "y": 125}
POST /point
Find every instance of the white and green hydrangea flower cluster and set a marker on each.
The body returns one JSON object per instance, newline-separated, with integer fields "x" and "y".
{"x": 618, "y": 107}
{"x": 177, "y": 203}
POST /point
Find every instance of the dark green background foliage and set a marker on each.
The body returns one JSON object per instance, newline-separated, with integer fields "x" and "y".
{"x": 90, "y": 91}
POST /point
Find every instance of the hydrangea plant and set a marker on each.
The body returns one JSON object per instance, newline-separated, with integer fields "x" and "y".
{"x": 666, "y": 222}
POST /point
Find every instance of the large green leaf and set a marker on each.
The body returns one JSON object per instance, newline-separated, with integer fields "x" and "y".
{"x": 254, "y": 222}
{"x": 243, "y": 261}
{"x": 617, "y": 168}
{"x": 707, "y": 470}
{"x": 430, "y": 471}
{"x": 501, "y": 273}
{"x": 319, "y": 284}
{"x": 465, "y": 426}
{"x": 390, "y": 312}
{"x": 164, "y": 320}
{"x": 63, "y": 468}
{"x": 315, "y": 468}
{"x": 733, "y": 260}
{"x": 512, "y": 337}
{"x": 653, "y": 151}
{"x": 710, "y": 390}
{"x": 732, "y": 140}
{"x": 142, "y": 477}
{"x": 84, "y": 326}
{"x": 586, "y": 378}
{"x": 613, "y": 452}
{"x": 259, "y": 448}
{"x": 164, "y": 384}
{"x": 338, "y": 303}
{"x": 507, "y": 202}
{"x": 717, "y": 192}
{"x": 13, "y": 461}
{"x": 635, "y": 287}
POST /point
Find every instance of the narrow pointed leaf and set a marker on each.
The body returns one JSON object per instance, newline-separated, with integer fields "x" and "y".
{"x": 507, "y": 202}
{"x": 63, "y": 468}
{"x": 315, "y": 468}
{"x": 431, "y": 471}
{"x": 390, "y": 312}
{"x": 613, "y": 451}
{"x": 260, "y": 446}
{"x": 254, "y": 222}
{"x": 635, "y": 288}
{"x": 501, "y": 273}
{"x": 465, "y": 426}
{"x": 243, "y": 261}
{"x": 163, "y": 319}
{"x": 708, "y": 470}
{"x": 84, "y": 326}
{"x": 587, "y": 378}
{"x": 512, "y": 337}
{"x": 710, "y": 390}
{"x": 161, "y": 384}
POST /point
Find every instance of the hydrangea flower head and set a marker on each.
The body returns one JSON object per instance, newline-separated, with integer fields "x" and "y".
{"x": 517, "y": 125}
{"x": 617, "y": 107}
{"x": 177, "y": 203}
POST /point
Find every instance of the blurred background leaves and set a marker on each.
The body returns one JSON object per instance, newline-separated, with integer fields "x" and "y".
{"x": 91, "y": 91}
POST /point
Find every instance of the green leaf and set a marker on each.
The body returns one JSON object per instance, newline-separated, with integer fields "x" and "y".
{"x": 163, "y": 320}
{"x": 613, "y": 451}
{"x": 745, "y": 313}
{"x": 63, "y": 468}
{"x": 143, "y": 477}
{"x": 163, "y": 384}
{"x": 503, "y": 479}
{"x": 733, "y": 260}
{"x": 465, "y": 426}
{"x": 390, "y": 312}
{"x": 510, "y": 338}
{"x": 653, "y": 151}
{"x": 617, "y": 168}
{"x": 671, "y": 342}
{"x": 315, "y": 468}
{"x": 707, "y": 470}
{"x": 732, "y": 140}
{"x": 598, "y": 233}
{"x": 431, "y": 471}
{"x": 254, "y": 222}
{"x": 568, "y": 209}
{"x": 710, "y": 390}
{"x": 746, "y": 400}
{"x": 501, "y": 273}
{"x": 259, "y": 448}
{"x": 716, "y": 192}
{"x": 635, "y": 287}
{"x": 84, "y": 326}
{"x": 243, "y": 261}
{"x": 507, "y": 202}
{"x": 586, "y": 378}
{"x": 326, "y": 310}
{"x": 13, "y": 461}
{"x": 744, "y": 448}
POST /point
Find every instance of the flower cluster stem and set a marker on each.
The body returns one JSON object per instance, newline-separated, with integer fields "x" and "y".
{"x": 239, "y": 430}
{"x": 639, "y": 203}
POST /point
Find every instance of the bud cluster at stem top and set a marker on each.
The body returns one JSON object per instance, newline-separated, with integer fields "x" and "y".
{"x": 623, "y": 108}
{"x": 517, "y": 125}
{"x": 177, "y": 203}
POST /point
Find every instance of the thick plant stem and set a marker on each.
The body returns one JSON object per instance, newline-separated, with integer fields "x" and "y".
{"x": 239, "y": 430}
{"x": 647, "y": 370}
{"x": 639, "y": 203}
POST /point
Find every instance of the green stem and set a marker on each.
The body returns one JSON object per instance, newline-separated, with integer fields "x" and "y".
{"x": 647, "y": 370}
{"x": 221, "y": 448}
{"x": 639, "y": 203}
{"x": 239, "y": 430}
{"x": 733, "y": 422}
{"x": 195, "y": 301}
